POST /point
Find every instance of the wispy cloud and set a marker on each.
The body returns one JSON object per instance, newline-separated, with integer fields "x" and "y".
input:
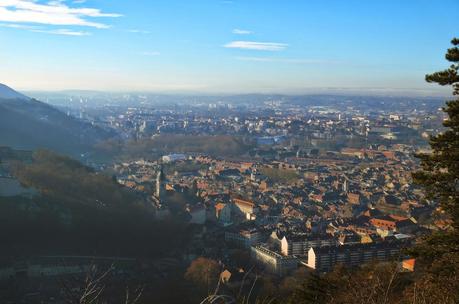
{"x": 260, "y": 46}
{"x": 20, "y": 26}
{"x": 287, "y": 60}
{"x": 64, "y": 32}
{"x": 41, "y": 29}
{"x": 153, "y": 53}
{"x": 241, "y": 32}
{"x": 51, "y": 13}
{"x": 138, "y": 31}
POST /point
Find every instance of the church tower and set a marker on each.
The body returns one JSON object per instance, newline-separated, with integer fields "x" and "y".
{"x": 345, "y": 186}
{"x": 159, "y": 177}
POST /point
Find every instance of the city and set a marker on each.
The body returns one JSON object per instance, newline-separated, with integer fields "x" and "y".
{"x": 227, "y": 152}
{"x": 282, "y": 185}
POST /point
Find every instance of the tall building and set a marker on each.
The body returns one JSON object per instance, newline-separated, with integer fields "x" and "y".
{"x": 299, "y": 244}
{"x": 244, "y": 237}
{"x": 324, "y": 259}
{"x": 272, "y": 261}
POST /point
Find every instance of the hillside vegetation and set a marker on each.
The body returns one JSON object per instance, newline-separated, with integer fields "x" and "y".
{"x": 79, "y": 211}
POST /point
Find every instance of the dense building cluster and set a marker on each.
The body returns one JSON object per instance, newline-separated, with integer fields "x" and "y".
{"x": 294, "y": 199}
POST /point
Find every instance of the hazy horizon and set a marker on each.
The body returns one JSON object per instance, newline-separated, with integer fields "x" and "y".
{"x": 316, "y": 91}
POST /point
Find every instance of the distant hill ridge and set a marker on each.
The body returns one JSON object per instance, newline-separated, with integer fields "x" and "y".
{"x": 31, "y": 124}
{"x": 8, "y": 93}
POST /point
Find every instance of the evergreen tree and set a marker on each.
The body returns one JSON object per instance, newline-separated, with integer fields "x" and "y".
{"x": 440, "y": 168}
{"x": 439, "y": 252}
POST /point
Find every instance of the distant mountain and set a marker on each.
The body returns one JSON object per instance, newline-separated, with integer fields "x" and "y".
{"x": 27, "y": 123}
{"x": 8, "y": 93}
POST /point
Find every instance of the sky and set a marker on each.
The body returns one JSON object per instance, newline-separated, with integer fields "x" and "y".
{"x": 226, "y": 46}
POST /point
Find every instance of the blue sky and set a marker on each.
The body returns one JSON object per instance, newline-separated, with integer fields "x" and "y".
{"x": 222, "y": 46}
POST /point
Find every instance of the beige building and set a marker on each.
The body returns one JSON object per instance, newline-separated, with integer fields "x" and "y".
{"x": 245, "y": 208}
{"x": 273, "y": 262}
{"x": 243, "y": 238}
{"x": 300, "y": 244}
{"x": 326, "y": 258}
